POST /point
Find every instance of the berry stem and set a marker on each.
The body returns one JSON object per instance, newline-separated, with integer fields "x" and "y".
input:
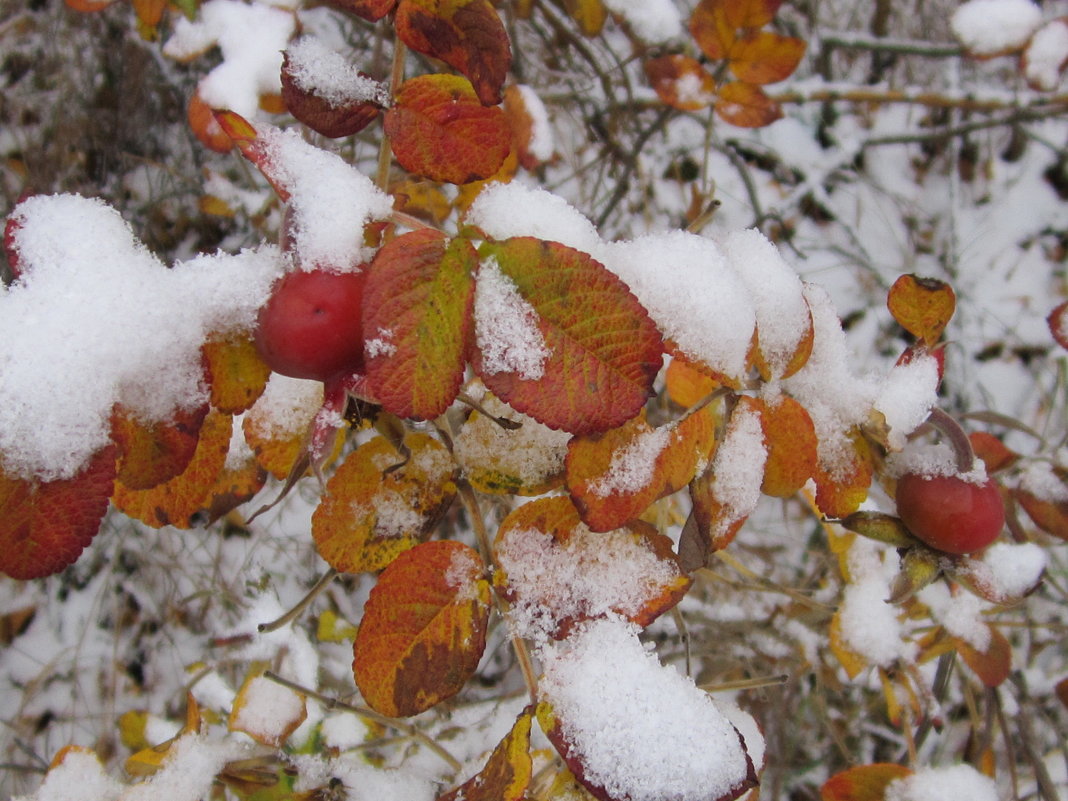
{"x": 958, "y": 439}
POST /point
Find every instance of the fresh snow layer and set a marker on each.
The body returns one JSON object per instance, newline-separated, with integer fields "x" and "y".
{"x": 318, "y": 70}
{"x": 651, "y": 21}
{"x": 508, "y": 210}
{"x": 541, "y": 144}
{"x": 1046, "y": 55}
{"x": 641, "y": 730}
{"x": 96, "y": 320}
{"x": 506, "y": 327}
{"x": 988, "y": 27}
{"x": 950, "y": 783}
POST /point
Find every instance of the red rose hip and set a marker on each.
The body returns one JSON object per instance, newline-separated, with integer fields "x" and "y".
{"x": 949, "y": 513}
{"x": 310, "y": 327}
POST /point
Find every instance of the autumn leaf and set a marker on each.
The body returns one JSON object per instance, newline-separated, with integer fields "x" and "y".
{"x": 922, "y": 306}
{"x": 242, "y": 133}
{"x": 863, "y": 782}
{"x": 598, "y": 353}
{"x": 378, "y": 504}
{"x": 614, "y": 476}
{"x": 763, "y": 57}
{"x": 792, "y": 446}
{"x": 995, "y": 455}
{"x": 712, "y": 28}
{"x": 681, "y": 82}
{"x": 322, "y": 114}
{"x": 589, "y": 14}
{"x": 853, "y": 662}
{"x": 423, "y": 628}
{"x": 417, "y": 320}
{"x": 556, "y": 571}
{"x": 45, "y": 525}
{"x": 507, "y": 773}
{"x": 686, "y": 384}
{"x": 370, "y": 10}
{"x": 235, "y": 372}
{"x": 152, "y": 453}
{"x": 992, "y": 665}
{"x": 746, "y": 105}
{"x": 1050, "y": 516}
{"x": 521, "y": 122}
{"x": 205, "y": 127}
{"x": 842, "y": 484}
{"x": 468, "y": 35}
{"x": 180, "y": 501}
{"x": 1058, "y": 324}
{"x": 440, "y": 130}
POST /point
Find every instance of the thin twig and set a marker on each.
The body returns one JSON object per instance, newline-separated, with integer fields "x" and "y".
{"x": 302, "y": 604}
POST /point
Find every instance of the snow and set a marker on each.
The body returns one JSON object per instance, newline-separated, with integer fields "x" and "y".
{"x": 92, "y": 315}
{"x": 506, "y": 327}
{"x": 1015, "y": 567}
{"x": 1046, "y": 55}
{"x": 286, "y": 407}
{"x": 960, "y": 613}
{"x": 906, "y": 397}
{"x": 251, "y": 37}
{"x": 632, "y": 466}
{"x": 1040, "y": 479}
{"x": 989, "y": 27}
{"x": 541, "y": 144}
{"x": 870, "y": 626}
{"x": 652, "y": 21}
{"x": 949, "y": 783}
{"x": 615, "y": 703}
{"x": 544, "y": 215}
{"x": 78, "y": 777}
{"x": 267, "y": 710}
{"x": 330, "y": 201}
{"x": 316, "y": 69}
{"x": 738, "y": 466}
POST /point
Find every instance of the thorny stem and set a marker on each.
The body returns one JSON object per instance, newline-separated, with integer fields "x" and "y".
{"x": 396, "y": 77}
{"x": 302, "y": 604}
{"x": 962, "y": 446}
{"x": 399, "y": 725}
{"x": 467, "y": 495}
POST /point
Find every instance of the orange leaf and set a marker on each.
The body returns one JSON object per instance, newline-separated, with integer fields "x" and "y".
{"x": 712, "y": 28}
{"x": 180, "y": 501}
{"x": 235, "y": 371}
{"x": 1050, "y": 516}
{"x": 423, "y": 628}
{"x": 323, "y": 115}
{"x": 440, "y": 130}
{"x": 746, "y": 106}
{"x": 45, "y": 525}
{"x": 842, "y": 486}
{"x": 750, "y": 13}
{"x": 468, "y": 35}
{"x": 922, "y": 306}
{"x": 763, "y": 57}
{"x": 417, "y": 321}
{"x": 686, "y": 384}
{"x": 613, "y": 477}
{"x": 681, "y": 82}
{"x": 278, "y": 424}
{"x": 151, "y": 453}
{"x": 556, "y": 572}
{"x": 205, "y": 127}
{"x": 521, "y": 122}
{"x": 598, "y": 353}
{"x": 88, "y": 6}
{"x": 992, "y": 451}
{"x": 862, "y": 783}
{"x": 507, "y": 773}
{"x": 791, "y": 439}
{"x": 1058, "y": 324}
{"x": 377, "y": 505}
{"x": 589, "y": 14}
{"x": 993, "y": 665}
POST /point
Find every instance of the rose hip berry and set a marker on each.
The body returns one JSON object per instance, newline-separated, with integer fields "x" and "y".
{"x": 949, "y": 513}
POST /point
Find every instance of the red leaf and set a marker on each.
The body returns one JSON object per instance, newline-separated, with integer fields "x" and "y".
{"x": 45, "y": 525}
{"x": 416, "y": 322}
{"x": 153, "y": 453}
{"x": 329, "y": 115}
{"x": 993, "y": 665}
{"x": 681, "y": 82}
{"x": 595, "y": 352}
{"x": 468, "y": 35}
{"x": 440, "y": 130}
{"x": 1058, "y": 324}
{"x": 423, "y": 628}
{"x": 253, "y": 148}
{"x": 862, "y": 783}
{"x": 370, "y": 10}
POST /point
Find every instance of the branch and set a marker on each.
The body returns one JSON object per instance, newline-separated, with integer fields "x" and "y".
{"x": 850, "y": 40}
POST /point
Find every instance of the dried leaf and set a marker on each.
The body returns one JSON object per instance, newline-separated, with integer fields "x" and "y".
{"x": 863, "y": 782}
{"x": 614, "y": 476}
{"x": 379, "y": 504}
{"x": 180, "y": 501}
{"x": 440, "y": 130}
{"x": 468, "y": 35}
{"x": 993, "y": 665}
{"x": 1050, "y": 516}
{"x": 417, "y": 321}
{"x": 880, "y": 527}
{"x": 763, "y": 57}
{"x": 792, "y": 446}
{"x": 152, "y": 453}
{"x": 746, "y": 105}
{"x": 922, "y": 306}
{"x": 423, "y": 629}
{"x": 507, "y": 773}
{"x": 601, "y": 349}
{"x": 681, "y": 82}
{"x": 45, "y": 525}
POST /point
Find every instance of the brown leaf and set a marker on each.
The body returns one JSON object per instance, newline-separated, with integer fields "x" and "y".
{"x": 423, "y": 628}
{"x": 681, "y": 82}
{"x": 863, "y": 782}
{"x": 45, "y": 525}
{"x": 507, "y": 773}
{"x": 1058, "y": 324}
{"x": 468, "y": 35}
{"x": 922, "y": 306}
{"x": 440, "y": 130}
{"x": 152, "y": 453}
{"x": 746, "y": 106}
{"x": 763, "y": 57}
{"x": 325, "y": 115}
{"x": 370, "y": 10}
{"x": 379, "y": 504}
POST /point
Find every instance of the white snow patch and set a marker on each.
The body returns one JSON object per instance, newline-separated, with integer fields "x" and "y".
{"x": 906, "y": 397}
{"x": 318, "y": 70}
{"x": 652, "y": 21}
{"x": 506, "y": 326}
{"x": 989, "y": 27}
{"x": 950, "y": 783}
{"x": 541, "y": 145}
{"x": 1046, "y": 55}
{"x": 508, "y": 210}
{"x": 869, "y": 626}
{"x": 632, "y": 466}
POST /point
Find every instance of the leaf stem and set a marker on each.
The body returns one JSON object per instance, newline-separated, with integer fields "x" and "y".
{"x": 399, "y": 725}
{"x": 302, "y": 604}
{"x": 396, "y": 77}
{"x": 745, "y": 684}
{"x": 962, "y": 446}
